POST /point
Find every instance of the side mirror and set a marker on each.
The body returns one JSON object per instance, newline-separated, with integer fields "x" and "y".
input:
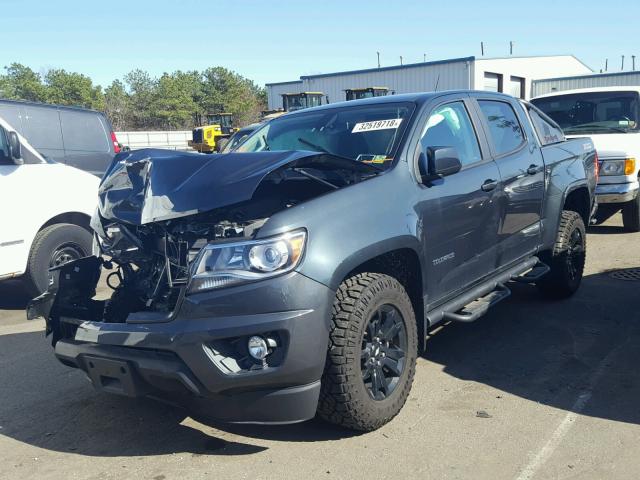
{"x": 438, "y": 162}
{"x": 15, "y": 149}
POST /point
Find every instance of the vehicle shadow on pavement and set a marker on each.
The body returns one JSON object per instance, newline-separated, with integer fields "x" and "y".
{"x": 542, "y": 351}
{"x": 50, "y": 406}
{"x": 606, "y": 230}
{"x": 13, "y": 295}
{"x": 552, "y": 352}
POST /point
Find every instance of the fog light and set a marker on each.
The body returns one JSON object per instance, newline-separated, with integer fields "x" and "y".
{"x": 258, "y": 347}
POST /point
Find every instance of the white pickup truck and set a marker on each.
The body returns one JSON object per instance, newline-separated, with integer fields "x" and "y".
{"x": 45, "y": 210}
{"x": 611, "y": 117}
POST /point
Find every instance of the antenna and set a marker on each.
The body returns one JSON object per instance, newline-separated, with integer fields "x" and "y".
{"x": 606, "y": 64}
{"x": 482, "y": 48}
{"x": 424, "y": 57}
{"x": 511, "y": 48}
{"x": 633, "y": 62}
{"x": 622, "y": 67}
{"x": 378, "y": 59}
{"x": 400, "y": 59}
{"x": 437, "y": 82}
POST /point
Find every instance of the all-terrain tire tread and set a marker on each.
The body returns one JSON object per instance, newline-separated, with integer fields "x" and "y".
{"x": 339, "y": 401}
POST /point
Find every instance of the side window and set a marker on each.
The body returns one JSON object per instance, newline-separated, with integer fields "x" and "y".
{"x": 83, "y": 131}
{"x": 504, "y": 128}
{"x": 450, "y": 126}
{"x": 41, "y": 127}
{"x": 547, "y": 133}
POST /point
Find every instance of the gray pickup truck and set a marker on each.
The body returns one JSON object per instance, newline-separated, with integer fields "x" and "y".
{"x": 301, "y": 273}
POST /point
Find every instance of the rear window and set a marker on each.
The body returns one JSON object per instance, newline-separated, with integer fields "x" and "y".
{"x": 83, "y": 131}
{"x": 547, "y": 132}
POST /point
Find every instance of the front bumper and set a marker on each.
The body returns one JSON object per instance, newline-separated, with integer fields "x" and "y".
{"x": 197, "y": 359}
{"x": 616, "y": 192}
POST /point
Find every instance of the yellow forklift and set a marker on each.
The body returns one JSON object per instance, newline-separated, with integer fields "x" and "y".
{"x": 297, "y": 101}
{"x": 212, "y": 135}
{"x": 369, "y": 92}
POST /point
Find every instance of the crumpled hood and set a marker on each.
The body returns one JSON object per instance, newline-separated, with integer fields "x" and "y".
{"x": 151, "y": 185}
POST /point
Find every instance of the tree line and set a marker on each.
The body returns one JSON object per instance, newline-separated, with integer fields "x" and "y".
{"x": 140, "y": 101}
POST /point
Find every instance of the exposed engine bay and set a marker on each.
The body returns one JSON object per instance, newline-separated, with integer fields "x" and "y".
{"x": 150, "y": 257}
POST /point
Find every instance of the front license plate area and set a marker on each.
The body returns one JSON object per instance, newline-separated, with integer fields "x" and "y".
{"x": 113, "y": 376}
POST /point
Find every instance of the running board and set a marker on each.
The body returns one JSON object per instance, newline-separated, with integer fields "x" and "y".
{"x": 474, "y": 310}
{"x": 533, "y": 275}
{"x": 495, "y": 286}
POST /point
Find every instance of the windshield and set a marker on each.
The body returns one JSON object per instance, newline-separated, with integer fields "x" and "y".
{"x": 236, "y": 139}
{"x": 366, "y": 133}
{"x": 595, "y": 112}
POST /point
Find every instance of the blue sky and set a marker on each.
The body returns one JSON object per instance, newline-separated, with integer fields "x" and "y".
{"x": 281, "y": 40}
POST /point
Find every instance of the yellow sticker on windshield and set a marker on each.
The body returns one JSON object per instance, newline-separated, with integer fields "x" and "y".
{"x": 377, "y": 125}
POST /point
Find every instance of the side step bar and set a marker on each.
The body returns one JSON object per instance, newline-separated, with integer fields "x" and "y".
{"x": 474, "y": 310}
{"x": 475, "y": 303}
{"x": 533, "y": 275}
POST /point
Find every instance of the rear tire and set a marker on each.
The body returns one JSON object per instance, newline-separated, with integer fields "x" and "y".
{"x": 567, "y": 259}
{"x": 372, "y": 353}
{"x": 631, "y": 215}
{"x": 54, "y": 245}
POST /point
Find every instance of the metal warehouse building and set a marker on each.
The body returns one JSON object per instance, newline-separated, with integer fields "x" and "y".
{"x": 618, "y": 79}
{"x": 513, "y": 75}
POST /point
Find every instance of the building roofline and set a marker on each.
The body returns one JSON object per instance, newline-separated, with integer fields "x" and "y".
{"x": 537, "y": 56}
{"x": 283, "y": 83}
{"x": 392, "y": 67}
{"x": 589, "y": 75}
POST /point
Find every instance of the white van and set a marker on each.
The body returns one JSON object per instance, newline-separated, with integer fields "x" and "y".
{"x": 45, "y": 210}
{"x": 611, "y": 117}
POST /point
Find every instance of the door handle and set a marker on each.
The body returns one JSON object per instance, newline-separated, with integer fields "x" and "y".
{"x": 489, "y": 185}
{"x": 532, "y": 170}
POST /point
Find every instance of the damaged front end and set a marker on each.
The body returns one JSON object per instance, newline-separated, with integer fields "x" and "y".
{"x": 172, "y": 224}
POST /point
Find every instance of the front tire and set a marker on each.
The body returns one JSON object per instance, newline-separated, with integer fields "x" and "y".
{"x": 567, "y": 259}
{"x": 631, "y": 215}
{"x": 53, "y": 246}
{"x": 372, "y": 354}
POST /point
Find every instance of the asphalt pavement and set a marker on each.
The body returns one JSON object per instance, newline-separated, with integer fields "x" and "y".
{"x": 536, "y": 389}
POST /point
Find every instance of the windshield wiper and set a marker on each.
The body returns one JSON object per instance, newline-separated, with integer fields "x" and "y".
{"x": 314, "y": 146}
{"x": 375, "y": 168}
{"x": 317, "y": 179}
{"x": 266, "y": 144}
{"x": 587, "y": 127}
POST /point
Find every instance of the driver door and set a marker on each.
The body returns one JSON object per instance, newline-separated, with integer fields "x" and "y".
{"x": 458, "y": 213}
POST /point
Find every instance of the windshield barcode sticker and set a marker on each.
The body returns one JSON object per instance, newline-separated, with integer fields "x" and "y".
{"x": 376, "y": 125}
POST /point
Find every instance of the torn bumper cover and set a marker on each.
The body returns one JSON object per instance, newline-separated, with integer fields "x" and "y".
{"x": 199, "y": 358}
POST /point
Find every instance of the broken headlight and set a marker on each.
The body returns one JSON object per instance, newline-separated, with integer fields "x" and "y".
{"x": 225, "y": 264}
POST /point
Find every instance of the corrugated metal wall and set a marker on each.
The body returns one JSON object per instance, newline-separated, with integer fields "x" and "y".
{"x": 172, "y": 140}
{"x": 621, "y": 79}
{"x": 406, "y": 79}
{"x": 275, "y": 91}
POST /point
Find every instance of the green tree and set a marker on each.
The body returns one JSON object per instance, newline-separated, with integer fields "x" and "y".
{"x": 22, "y": 83}
{"x": 175, "y": 99}
{"x": 234, "y": 92}
{"x": 142, "y": 92}
{"x": 117, "y": 105}
{"x": 70, "y": 88}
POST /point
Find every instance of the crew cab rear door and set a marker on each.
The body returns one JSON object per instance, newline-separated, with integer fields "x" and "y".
{"x": 515, "y": 150}
{"x": 457, "y": 213}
